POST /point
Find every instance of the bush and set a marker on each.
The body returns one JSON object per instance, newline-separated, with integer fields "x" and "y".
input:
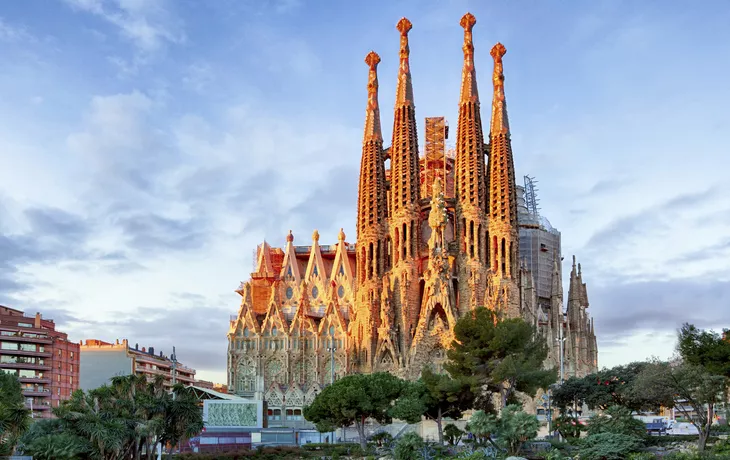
{"x": 569, "y": 427}
{"x": 382, "y": 438}
{"x": 617, "y": 420}
{"x": 609, "y": 446}
{"x": 408, "y": 447}
{"x": 452, "y": 434}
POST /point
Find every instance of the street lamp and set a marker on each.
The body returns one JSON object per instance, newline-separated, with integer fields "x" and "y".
{"x": 561, "y": 340}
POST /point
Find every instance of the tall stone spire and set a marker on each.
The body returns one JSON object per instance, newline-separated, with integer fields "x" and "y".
{"x": 502, "y": 195}
{"x": 404, "y": 211}
{"x": 471, "y": 185}
{"x": 371, "y": 219}
{"x": 372, "y": 112}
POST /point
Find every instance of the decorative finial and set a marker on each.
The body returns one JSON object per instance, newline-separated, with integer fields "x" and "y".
{"x": 372, "y": 60}
{"x": 290, "y": 237}
{"x": 579, "y": 270}
{"x": 404, "y": 26}
{"x": 467, "y": 22}
{"x": 315, "y": 236}
{"x": 469, "y": 91}
{"x": 404, "y": 88}
{"x": 341, "y": 235}
{"x": 437, "y": 189}
{"x": 500, "y": 122}
{"x": 573, "y": 261}
{"x": 372, "y": 114}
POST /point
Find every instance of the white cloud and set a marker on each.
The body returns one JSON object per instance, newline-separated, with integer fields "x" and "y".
{"x": 14, "y": 33}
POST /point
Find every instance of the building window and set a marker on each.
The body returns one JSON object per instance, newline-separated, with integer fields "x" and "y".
{"x": 70, "y": 367}
{"x": 25, "y": 325}
{"x": 9, "y": 346}
{"x": 60, "y": 354}
{"x": 274, "y": 414}
{"x": 58, "y": 378}
{"x": 27, "y": 347}
{"x": 70, "y": 379}
{"x": 59, "y": 392}
{"x": 72, "y": 355}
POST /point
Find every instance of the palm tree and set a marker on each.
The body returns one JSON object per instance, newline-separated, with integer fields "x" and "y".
{"x": 14, "y": 416}
{"x": 183, "y": 418}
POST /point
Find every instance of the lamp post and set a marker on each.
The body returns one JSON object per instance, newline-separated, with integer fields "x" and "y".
{"x": 561, "y": 340}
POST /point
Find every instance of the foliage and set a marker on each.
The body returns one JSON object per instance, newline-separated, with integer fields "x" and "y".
{"x": 509, "y": 431}
{"x": 556, "y": 454}
{"x": 705, "y": 348}
{"x": 354, "y": 399}
{"x": 14, "y": 416}
{"x": 434, "y": 396}
{"x": 618, "y": 420}
{"x": 687, "y": 385}
{"x": 609, "y": 446}
{"x": 408, "y": 447}
{"x": 453, "y": 434}
{"x": 569, "y": 427}
{"x": 641, "y": 456}
{"x": 115, "y": 421}
{"x": 606, "y": 388}
{"x": 498, "y": 356}
{"x": 382, "y": 438}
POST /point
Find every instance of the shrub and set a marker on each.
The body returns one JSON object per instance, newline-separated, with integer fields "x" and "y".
{"x": 382, "y": 438}
{"x": 453, "y": 434}
{"x": 609, "y": 446}
{"x": 408, "y": 447}
{"x": 617, "y": 420}
{"x": 569, "y": 427}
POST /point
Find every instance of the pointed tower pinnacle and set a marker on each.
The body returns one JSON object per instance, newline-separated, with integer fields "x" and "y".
{"x": 372, "y": 114}
{"x": 404, "y": 90}
{"x": 469, "y": 92}
{"x": 405, "y": 171}
{"x": 470, "y": 174}
{"x": 500, "y": 123}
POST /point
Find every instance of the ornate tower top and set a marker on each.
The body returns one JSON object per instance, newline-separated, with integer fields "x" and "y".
{"x": 500, "y": 123}
{"x": 341, "y": 235}
{"x": 372, "y": 114}
{"x": 469, "y": 92}
{"x": 290, "y": 237}
{"x": 315, "y": 236}
{"x": 471, "y": 180}
{"x": 404, "y": 90}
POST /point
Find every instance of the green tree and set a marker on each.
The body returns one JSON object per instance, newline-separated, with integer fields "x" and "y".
{"x": 183, "y": 418}
{"x": 607, "y": 388}
{"x": 14, "y": 416}
{"x": 617, "y": 419}
{"x": 705, "y": 348}
{"x": 354, "y": 399}
{"x": 693, "y": 390}
{"x": 453, "y": 434}
{"x": 498, "y": 356}
{"x": 509, "y": 431}
{"x": 434, "y": 396}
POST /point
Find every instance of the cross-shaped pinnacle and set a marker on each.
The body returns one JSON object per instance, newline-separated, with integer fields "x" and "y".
{"x": 372, "y": 60}
{"x": 468, "y": 21}
{"x": 498, "y": 51}
{"x": 404, "y": 26}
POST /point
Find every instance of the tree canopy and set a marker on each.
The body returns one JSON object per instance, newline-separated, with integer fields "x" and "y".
{"x": 708, "y": 349}
{"x": 434, "y": 396}
{"x": 354, "y": 399}
{"x": 498, "y": 356}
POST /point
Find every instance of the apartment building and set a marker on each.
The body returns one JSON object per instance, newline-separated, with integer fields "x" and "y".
{"x": 100, "y": 361}
{"x": 45, "y": 361}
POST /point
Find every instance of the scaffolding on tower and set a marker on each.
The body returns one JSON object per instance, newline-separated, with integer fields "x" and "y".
{"x": 436, "y": 157}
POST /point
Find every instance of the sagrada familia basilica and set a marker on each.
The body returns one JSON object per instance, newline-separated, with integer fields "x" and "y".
{"x": 433, "y": 243}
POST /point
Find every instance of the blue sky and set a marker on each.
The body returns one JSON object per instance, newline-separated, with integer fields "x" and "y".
{"x": 147, "y": 146}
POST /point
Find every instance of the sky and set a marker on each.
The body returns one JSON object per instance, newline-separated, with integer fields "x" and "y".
{"x": 148, "y": 146}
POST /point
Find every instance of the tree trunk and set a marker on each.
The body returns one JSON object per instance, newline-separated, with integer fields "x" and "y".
{"x": 705, "y": 429}
{"x": 439, "y": 425}
{"x": 360, "y": 424}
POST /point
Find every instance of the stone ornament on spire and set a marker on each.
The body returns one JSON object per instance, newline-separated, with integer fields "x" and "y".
{"x": 372, "y": 115}
{"x": 404, "y": 90}
{"x": 341, "y": 235}
{"x": 315, "y": 236}
{"x": 500, "y": 122}
{"x": 469, "y": 91}
{"x": 290, "y": 237}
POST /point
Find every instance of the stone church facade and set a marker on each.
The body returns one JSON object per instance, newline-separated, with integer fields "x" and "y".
{"x": 437, "y": 236}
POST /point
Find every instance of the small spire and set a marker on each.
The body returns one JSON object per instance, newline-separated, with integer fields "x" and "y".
{"x": 372, "y": 115}
{"x": 500, "y": 123}
{"x": 469, "y": 91}
{"x": 290, "y": 237}
{"x": 315, "y": 236}
{"x": 341, "y": 235}
{"x": 404, "y": 89}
